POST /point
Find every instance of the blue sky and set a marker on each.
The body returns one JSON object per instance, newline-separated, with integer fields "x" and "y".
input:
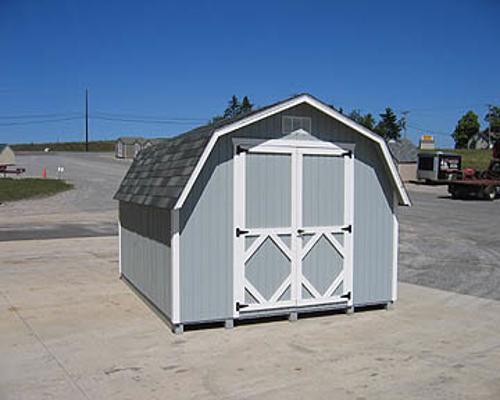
{"x": 183, "y": 60}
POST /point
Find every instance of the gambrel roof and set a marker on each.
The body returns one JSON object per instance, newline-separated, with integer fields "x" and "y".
{"x": 163, "y": 175}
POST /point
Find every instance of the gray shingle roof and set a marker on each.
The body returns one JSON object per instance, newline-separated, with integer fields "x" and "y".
{"x": 131, "y": 139}
{"x": 160, "y": 172}
{"x": 403, "y": 151}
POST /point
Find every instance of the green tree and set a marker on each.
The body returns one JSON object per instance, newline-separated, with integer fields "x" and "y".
{"x": 467, "y": 127}
{"x": 493, "y": 118}
{"x": 233, "y": 108}
{"x": 245, "y": 106}
{"x": 366, "y": 120}
{"x": 389, "y": 127}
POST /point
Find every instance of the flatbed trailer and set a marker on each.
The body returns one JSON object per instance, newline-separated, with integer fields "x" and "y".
{"x": 486, "y": 189}
{"x": 482, "y": 185}
{"x": 4, "y": 169}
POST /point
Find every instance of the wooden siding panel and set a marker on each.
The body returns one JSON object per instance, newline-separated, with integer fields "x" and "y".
{"x": 146, "y": 264}
{"x": 206, "y": 276}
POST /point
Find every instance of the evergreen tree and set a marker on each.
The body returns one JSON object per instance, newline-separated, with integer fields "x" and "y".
{"x": 245, "y": 106}
{"x": 233, "y": 109}
{"x": 366, "y": 120}
{"x": 389, "y": 127}
{"x": 493, "y": 117}
{"x": 467, "y": 127}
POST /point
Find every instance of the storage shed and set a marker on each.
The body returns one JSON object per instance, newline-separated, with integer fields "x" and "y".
{"x": 7, "y": 156}
{"x": 287, "y": 209}
{"x": 405, "y": 155}
{"x": 128, "y": 146}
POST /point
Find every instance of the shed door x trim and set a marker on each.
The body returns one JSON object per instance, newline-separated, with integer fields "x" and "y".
{"x": 293, "y": 215}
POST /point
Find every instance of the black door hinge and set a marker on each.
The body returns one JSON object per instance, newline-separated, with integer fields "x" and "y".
{"x": 240, "y": 232}
{"x": 239, "y": 306}
{"x": 348, "y": 153}
{"x": 347, "y": 228}
{"x": 240, "y": 149}
{"x": 346, "y": 296}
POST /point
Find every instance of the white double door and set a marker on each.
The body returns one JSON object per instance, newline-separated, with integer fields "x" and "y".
{"x": 292, "y": 225}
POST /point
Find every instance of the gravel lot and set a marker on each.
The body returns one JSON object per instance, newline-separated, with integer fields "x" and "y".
{"x": 87, "y": 210}
{"x": 451, "y": 244}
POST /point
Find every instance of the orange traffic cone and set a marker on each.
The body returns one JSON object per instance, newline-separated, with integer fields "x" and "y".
{"x": 44, "y": 173}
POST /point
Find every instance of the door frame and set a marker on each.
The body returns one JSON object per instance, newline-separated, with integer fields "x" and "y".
{"x": 293, "y": 147}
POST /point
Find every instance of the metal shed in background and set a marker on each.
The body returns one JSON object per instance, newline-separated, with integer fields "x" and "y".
{"x": 287, "y": 209}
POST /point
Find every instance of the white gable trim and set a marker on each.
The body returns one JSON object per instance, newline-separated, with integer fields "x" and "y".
{"x": 402, "y": 194}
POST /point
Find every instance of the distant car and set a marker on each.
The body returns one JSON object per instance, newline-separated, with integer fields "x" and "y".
{"x": 46, "y": 150}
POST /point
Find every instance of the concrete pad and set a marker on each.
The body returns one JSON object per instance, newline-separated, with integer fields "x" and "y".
{"x": 69, "y": 328}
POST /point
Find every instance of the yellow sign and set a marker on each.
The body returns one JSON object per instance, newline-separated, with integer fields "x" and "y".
{"x": 427, "y": 138}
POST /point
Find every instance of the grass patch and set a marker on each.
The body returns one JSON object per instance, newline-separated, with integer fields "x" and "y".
{"x": 477, "y": 159}
{"x": 19, "y": 189}
{"x": 101, "y": 145}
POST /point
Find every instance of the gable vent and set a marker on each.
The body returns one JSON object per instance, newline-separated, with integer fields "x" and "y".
{"x": 291, "y": 124}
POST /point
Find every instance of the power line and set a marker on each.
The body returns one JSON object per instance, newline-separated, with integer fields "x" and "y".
{"x": 32, "y": 116}
{"x": 146, "y": 121}
{"x": 429, "y": 130}
{"x": 148, "y": 117}
{"x": 39, "y": 121}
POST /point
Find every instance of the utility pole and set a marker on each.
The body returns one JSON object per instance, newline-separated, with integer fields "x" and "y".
{"x": 489, "y": 126}
{"x": 86, "y": 120}
{"x": 405, "y": 121}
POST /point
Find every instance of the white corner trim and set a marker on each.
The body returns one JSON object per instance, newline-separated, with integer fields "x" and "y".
{"x": 395, "y": 254}
{"x": 403, "y": 195}
{"x": 175, "y": 255}
{"x": 119, "y": 248}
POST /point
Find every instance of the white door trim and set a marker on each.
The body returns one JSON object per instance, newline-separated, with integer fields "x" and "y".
{"x": 297, "y": 149}
{"x": 346, "y": 250}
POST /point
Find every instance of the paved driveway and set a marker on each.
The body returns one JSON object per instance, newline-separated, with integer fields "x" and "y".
{"x": 69, "y": 329}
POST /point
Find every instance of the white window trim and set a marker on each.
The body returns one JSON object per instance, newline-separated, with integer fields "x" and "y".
{"x": 307, "y": 99}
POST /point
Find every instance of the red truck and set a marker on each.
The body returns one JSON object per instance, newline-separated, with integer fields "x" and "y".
{"x": 479, "y": 184}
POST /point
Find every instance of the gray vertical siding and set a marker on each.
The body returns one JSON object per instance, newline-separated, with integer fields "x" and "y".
{"x": 206, "y": 260}
{"x": 206, "y": 233}
{"x": 145, "y": 253}
{"x": 146, "y": 264}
